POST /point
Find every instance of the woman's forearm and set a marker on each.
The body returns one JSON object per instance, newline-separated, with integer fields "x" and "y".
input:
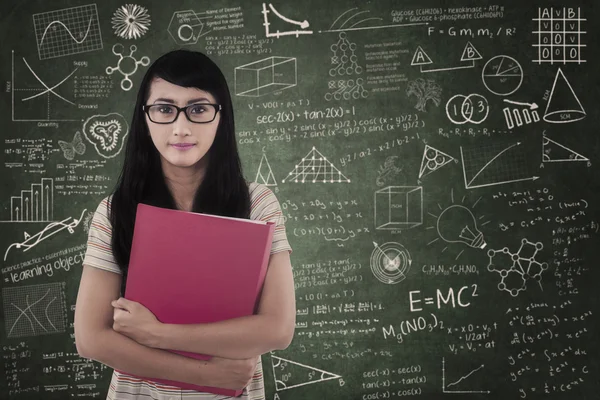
{"x": 124, "y": 354}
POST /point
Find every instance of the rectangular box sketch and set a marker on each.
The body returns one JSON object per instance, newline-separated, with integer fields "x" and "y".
{"x": 399, "y": 207}
{"x": 265, "y": 76}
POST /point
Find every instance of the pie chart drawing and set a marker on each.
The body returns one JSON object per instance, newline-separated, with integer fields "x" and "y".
{"x": 502, "y": 75}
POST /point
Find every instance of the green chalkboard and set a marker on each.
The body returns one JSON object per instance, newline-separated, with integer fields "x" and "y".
{"x": 436, "y": 163}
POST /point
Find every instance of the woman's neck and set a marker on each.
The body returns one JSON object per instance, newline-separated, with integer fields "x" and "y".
{"x": 183, "y": 184}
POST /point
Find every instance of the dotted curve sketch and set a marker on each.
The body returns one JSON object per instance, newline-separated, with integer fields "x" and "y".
{"x": 107, "y": 133}
{"x": 502, "y": 75}
{"x": 268, "y": 32}
{"x": 352, "y": 25}
{"x": 470, "y": 53}
{"x": 563, "y": 104}
{"x": 126, "y": 70}
{"x": 68, "y": 31}
{"x": 315, "y": 167}
{"x": 390, "y": 262}
{"x": 131, "y": 21}
{"x": 517, "y": 268}
{"x": 50, "y": 230}
{"x": 290, "y": 374}
{"x": 559, "y": 34}
{"x": 552, "y": 151}
{"x": 42, "y": 306}
{"x": 462, "y": 378}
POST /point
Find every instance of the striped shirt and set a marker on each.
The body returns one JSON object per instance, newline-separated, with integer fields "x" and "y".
{"x": 264, "y": 206}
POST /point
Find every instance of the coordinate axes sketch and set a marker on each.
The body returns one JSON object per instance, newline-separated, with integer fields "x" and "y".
{"x": 446, "y": 386}
{"x": 291, "y": 374}
{"x": 292, "y": 25}
{"x": 515, "y": 269}
{"x": 34, "y": 310}
{"x": 43, "y": 105}
{"x": 68, "y": 31}
{"x": 390, "y": 262}
{"x": 559, "y": 35}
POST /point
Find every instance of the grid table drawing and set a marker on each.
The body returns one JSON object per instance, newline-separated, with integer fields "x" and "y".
{"x": 559, "y": 35}
{"x": 494, "y": 164}
{"x": 67, "y": 31}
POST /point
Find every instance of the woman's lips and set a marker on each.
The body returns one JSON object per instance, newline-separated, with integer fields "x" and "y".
{"x": 182, "y": 146}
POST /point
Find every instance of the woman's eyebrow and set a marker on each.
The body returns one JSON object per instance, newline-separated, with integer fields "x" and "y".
{"x": 171, "y": 101}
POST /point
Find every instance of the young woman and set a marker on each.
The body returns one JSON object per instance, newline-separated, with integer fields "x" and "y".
{"x": 181, "y": 154}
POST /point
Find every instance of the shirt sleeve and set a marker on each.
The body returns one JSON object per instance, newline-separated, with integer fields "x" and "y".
{"x": 265, "y": 207}
{"x": 99, "y": 252}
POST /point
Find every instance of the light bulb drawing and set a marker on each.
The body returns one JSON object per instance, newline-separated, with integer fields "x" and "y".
{"x": 457, "y": 224}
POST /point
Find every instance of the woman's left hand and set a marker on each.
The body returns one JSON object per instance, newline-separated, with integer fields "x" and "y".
{"x": 135, "y": 321}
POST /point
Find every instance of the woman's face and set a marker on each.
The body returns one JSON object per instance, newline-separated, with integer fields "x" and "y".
{"x": 181, "y": 144}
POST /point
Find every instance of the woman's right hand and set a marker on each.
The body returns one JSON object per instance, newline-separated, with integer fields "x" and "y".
{"x": 232, "y": 374}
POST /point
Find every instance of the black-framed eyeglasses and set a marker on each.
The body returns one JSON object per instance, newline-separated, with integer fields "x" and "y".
{"x": 200, "y": 113}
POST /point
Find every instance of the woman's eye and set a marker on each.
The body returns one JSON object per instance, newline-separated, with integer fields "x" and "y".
{"x": 165, "y": 110}
{"x": 198, "y": 109}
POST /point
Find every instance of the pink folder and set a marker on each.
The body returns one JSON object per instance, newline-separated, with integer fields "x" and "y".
{"x": 190, "y": 268}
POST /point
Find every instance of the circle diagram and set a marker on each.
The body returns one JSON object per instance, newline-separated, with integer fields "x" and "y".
{"x": 473, "y": 108}
{"x": 502, "y": 75}
{"x": 390, "y": 262}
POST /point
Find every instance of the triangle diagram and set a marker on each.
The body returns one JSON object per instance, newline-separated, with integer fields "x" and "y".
{"x": 563, "y": 105}
{"x": 316, "y": 168}
{"x": 470, "y": 53}
{"x": 289, "y": 374}
{"x": 264, "y": 174}
{"x": 553, "y": 151}
{"x": 420, "y": 57}
{"x": 433, "y": 159}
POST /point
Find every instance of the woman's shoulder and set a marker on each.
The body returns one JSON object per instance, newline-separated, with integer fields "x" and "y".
{"x": 103, "y": 207}
{"x": 262, "y": 198}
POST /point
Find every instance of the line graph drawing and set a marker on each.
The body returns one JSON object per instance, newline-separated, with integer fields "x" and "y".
{"x": 462, "y": 378}
{"x": 35, "y": 204}
{"x": 49, "y": 230}
{"x": 67, "y": 31}
{"x": 352, "y": 22}
{"x": 315, "y": 167}
{"x": 552, "y": 151}
{"x": 494, "y": 164}
{"x": 34, "y": 310}
{"x": 25, "y": 105}
{"x": 291, "y": 374}
{"x": 277, "y": 34}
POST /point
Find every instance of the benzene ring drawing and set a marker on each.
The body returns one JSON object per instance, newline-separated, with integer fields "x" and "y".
{"x": 390, "y": 262}
{"x": 127, "y": 65}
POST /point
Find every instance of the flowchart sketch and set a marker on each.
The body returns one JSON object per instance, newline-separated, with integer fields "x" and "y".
{"x": 563, "y": 105}
{"x": 559, "y": 33}
{"x": 398, "y": 207}
{"x": 344, "y": 63}
{"x": 552, "y": 151}
{"x": 502, "y": 75}
{"x": 264, "y": 174}
{"x": 290, "y": 374}
{"x": 390, "y": 262}
{"x": 266, "y": 76}
{"x": 494, "y": 164}
{"x": 34, "y": 310}
{"x": 315, "y": 167}
{"x": 516, "y": 269}
{"x": 433, "y": 159}
{"x": 67, "y": 31}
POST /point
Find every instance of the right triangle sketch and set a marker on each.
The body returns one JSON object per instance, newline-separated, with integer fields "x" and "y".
{"x": 552, "y": 151}
{"x": 290, "y": 374}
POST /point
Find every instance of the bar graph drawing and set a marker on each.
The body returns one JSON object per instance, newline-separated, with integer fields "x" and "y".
{"x": 35, "y": 204}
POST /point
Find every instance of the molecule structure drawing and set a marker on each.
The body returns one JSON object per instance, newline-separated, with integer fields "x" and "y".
{"x": 517, "y": 268}
{"x": 127, "y": 65}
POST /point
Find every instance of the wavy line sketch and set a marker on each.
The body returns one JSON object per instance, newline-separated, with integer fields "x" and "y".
{"x": 462, "y": 378}
{"x": 353, "y": 22}
{"x": 44, "y": 303}
{"x": 277, "y": 34}
{"x": 67, "y": 31}
{"x": 131, "y": 21}
{"x": 290, "y": 374}
{"x": 315, "y": 167}
{"x": 32, "y": 241}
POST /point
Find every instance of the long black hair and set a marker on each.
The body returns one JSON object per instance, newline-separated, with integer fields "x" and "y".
{"x": 223, "y": 190}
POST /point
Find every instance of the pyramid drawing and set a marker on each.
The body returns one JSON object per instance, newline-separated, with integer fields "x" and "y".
{"x": 420, "y": 57}
{"x": 297, "y": 374}
{"x": 433, "y": 159}
{"x": 563, "y": 105}
{"x": 553, "y": 151}
{"x": 264, "y": 174}
{"x": 316, "y": 168}
{"x": 470, "y": 53}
